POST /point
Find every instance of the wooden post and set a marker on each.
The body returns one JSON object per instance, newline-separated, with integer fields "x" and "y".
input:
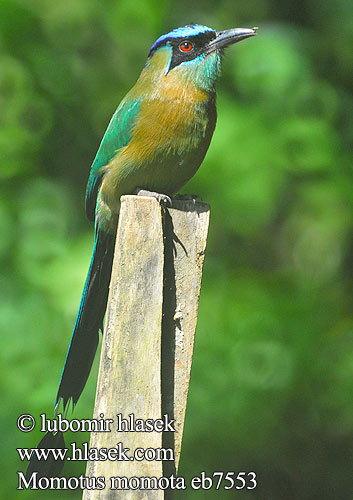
{"x": 148, "y": 340}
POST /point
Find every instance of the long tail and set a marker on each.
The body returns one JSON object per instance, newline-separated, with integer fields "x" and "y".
{"x": 84, "y": 340}
{"x": 82, "y": 347}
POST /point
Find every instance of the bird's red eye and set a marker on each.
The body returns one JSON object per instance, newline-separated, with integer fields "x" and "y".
{"x": 185, "y": 46}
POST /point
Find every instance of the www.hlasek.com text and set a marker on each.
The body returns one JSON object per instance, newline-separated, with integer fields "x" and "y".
{"x": 115, "y": 454}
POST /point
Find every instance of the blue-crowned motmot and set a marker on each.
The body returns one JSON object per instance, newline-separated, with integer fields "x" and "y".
{"x": 155, "y": 141}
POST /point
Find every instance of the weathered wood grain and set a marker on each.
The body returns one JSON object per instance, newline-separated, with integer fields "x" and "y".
{"x": 189, "y": 223}
{"x": 149, "y": 334}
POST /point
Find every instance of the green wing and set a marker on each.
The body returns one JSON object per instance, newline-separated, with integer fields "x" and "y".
{"x": 117, "y": 135}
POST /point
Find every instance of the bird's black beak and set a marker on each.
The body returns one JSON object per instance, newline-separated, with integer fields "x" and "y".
{"x": 228, "y": 37}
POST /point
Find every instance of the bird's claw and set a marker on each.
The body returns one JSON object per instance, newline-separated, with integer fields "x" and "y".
{"x": 163, "y": 199}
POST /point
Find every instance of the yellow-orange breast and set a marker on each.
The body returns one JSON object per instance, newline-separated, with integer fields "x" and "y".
{"x": 170, "y": 137}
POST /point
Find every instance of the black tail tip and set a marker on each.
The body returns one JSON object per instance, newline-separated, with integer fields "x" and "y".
{"x": 49, "y": 467}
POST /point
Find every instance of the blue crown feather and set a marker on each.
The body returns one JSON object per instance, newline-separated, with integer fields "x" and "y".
{"x": 184, "y": 31}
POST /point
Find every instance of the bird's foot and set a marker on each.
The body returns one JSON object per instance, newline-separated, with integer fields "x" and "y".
{"x": 187, "y": 197}
{"x": 163, "y": 199}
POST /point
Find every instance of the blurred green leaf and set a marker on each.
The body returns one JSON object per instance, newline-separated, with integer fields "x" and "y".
{"x": 272, "y": 68}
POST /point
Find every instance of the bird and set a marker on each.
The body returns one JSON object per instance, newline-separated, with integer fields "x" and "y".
{"x": 155, "y": 142}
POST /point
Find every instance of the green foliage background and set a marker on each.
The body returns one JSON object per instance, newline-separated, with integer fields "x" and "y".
{"x": 271, "y": 387}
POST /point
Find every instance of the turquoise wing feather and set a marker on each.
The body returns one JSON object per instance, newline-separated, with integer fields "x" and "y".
{"x": 117, "y": 135}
